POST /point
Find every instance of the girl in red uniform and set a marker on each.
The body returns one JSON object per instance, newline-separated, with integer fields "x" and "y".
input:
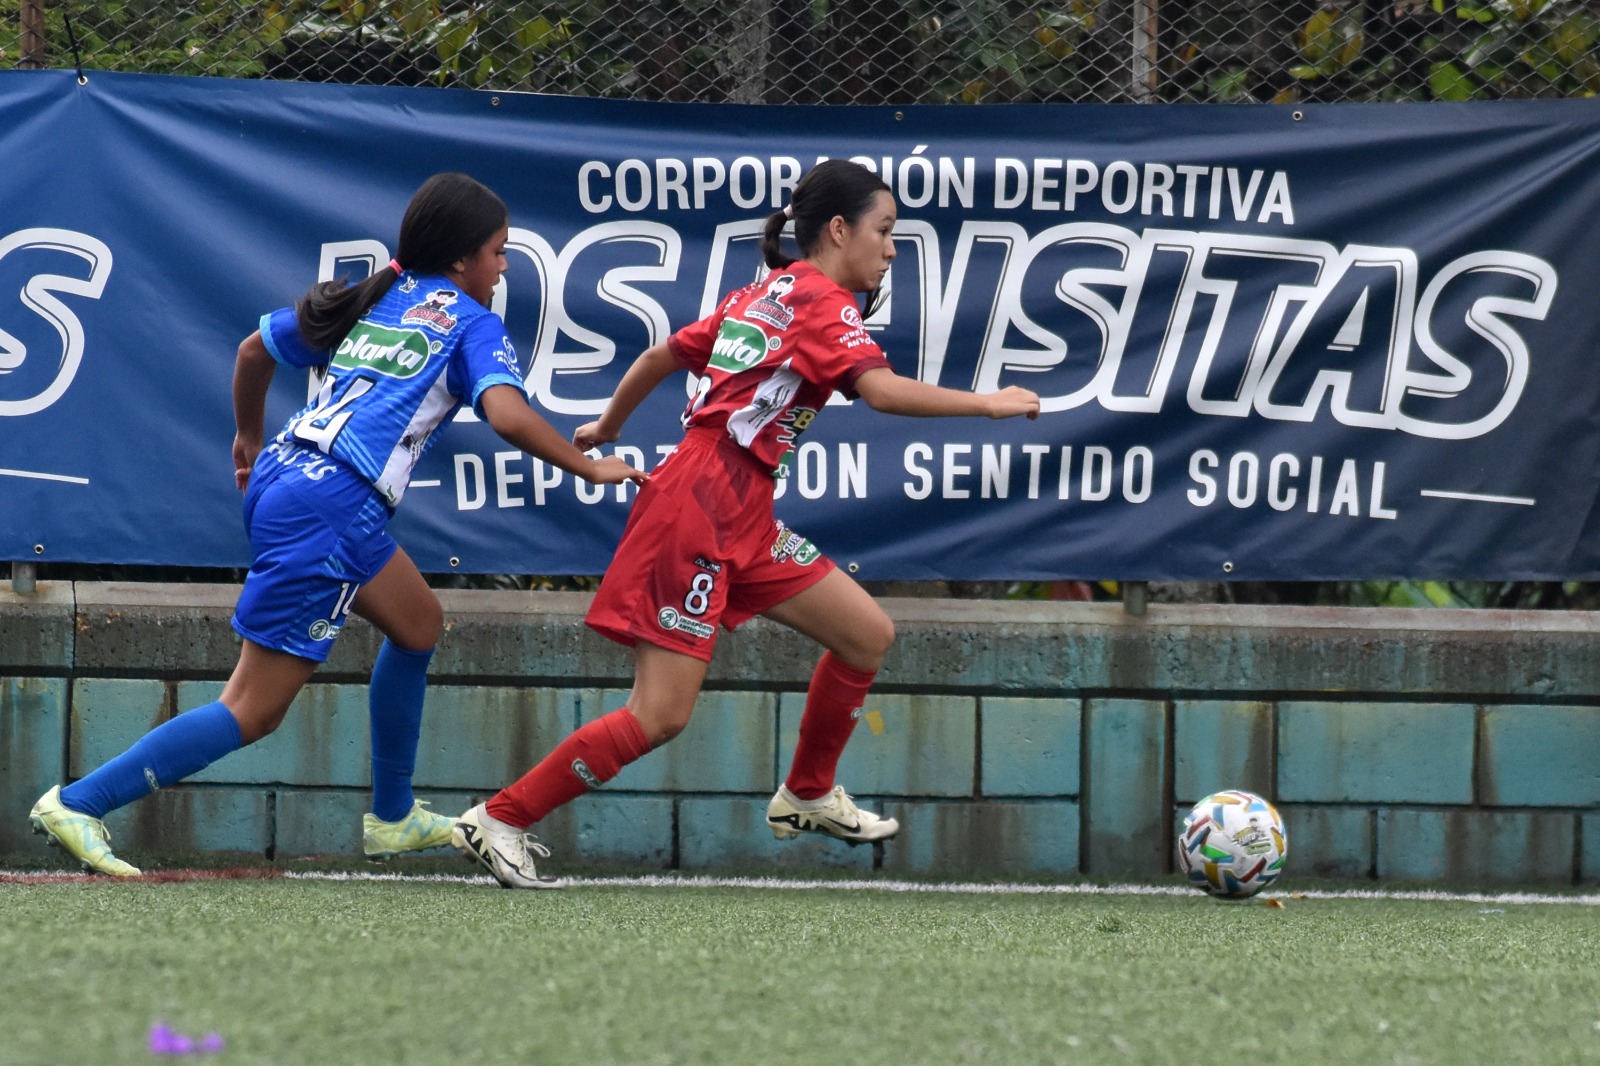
{"x": 701, "y": 545}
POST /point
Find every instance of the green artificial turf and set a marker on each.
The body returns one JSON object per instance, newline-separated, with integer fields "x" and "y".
{"x": 307, "y": 971}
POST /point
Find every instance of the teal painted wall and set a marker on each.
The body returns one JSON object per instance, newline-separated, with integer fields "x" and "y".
{"x": 1010, "y": 739}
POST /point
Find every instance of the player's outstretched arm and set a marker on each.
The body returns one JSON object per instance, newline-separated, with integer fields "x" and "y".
{"x": 649, "y": 370}
{"x": 886, "y": 391}
{"x": 507, "y": 410}
{"x": 252, "y": 376}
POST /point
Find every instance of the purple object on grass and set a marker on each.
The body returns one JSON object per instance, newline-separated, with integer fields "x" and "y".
{"x": 164, "y": 1040}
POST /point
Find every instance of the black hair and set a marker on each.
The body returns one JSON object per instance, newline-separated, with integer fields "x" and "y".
{"x": 834, "y": 187}
{"x": 448, "y": 219}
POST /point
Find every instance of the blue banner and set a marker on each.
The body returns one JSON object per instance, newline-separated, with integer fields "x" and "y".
{"x": 1314, "y": 342}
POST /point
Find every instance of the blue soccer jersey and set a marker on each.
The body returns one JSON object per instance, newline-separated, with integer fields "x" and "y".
{"x": 423, "y": 350}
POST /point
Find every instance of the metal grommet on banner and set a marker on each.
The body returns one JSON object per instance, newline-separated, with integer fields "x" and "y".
{"x": 494, "y": 101}
{"x": 853, "y": 567}
{"x": 38, "y": 549}
{"x": 454, "y": 562}
{"x": 77, "y": 57}
{"x": 898, "y": 115}
{"x": 1298, "y": 115}
{"x": 1227, "y": 568}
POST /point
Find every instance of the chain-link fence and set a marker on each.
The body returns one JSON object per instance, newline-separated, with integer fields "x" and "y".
{"x": 849, "y": 51}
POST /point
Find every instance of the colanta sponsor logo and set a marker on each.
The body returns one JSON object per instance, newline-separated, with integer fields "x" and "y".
{"x": 587, "y": 776}
{"x": 396, "y": 353}
{"x": 739, "y": 346}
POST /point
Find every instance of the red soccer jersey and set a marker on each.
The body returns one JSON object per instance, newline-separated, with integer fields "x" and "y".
{"x": 769, "y": 357}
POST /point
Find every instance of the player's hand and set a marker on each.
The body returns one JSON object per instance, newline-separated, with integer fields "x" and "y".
{"x": 1012, "y": 401}
{"x": 610, "y": 470}
{"x": 589, "y": 436}
{"x": 244, "y": 458}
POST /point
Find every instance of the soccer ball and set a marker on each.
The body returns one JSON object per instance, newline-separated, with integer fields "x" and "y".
{"x": 1232, "y": 845}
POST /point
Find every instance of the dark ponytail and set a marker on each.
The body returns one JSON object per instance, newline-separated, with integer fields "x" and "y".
{"x": 834, "y": 187}
{"x": 331, "y": 309}
{"x": 772, "y": 241}
{"x": 448, "y": 219}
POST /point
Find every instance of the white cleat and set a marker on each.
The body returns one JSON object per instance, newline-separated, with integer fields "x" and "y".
{"x": 835, "y": 814}
{"x": 501, "y": 849}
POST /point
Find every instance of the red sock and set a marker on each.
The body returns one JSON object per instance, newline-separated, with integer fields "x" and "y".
{"x": 833, "y": 703}
{"x": 587, "y": 759}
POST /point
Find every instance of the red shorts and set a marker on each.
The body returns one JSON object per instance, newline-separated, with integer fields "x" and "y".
{"x": 701, "y": 547}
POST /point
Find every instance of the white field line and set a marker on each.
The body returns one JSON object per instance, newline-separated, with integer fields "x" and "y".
{"x": 963, "y": 889}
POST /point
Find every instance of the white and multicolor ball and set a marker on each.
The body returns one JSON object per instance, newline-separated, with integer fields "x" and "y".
{"x": 1232, "y": 845}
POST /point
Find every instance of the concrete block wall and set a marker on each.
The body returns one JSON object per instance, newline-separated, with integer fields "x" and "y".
{"x": 1010, "y": 739}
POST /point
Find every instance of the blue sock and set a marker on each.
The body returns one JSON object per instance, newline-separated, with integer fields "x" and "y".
{"x": 399, "y": 680}
{"x": 164, "y": 756}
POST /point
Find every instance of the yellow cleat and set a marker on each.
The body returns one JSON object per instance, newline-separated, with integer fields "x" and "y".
{"x": 418, "y": 830}
{"x": 83, "y": 837}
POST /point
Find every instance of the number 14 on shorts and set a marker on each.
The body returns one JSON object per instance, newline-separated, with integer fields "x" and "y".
{"x": 330, "y": 627}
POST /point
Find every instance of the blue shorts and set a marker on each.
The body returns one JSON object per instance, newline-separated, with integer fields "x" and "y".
{"x": 319, "y": 532}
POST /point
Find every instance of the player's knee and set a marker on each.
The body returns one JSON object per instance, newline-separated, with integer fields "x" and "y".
{"x": 883, "y": 635}
{"x": 257, "y": 721}
{"x": 661, "y": 724}
{"x": 422, "y": 628}
{"x": 871, "y": 642}
{"x": 665, "y": 731}
{"x": 430, "y": 619}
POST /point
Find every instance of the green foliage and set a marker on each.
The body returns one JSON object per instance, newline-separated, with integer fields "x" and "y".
{"x": 962, "y": 51}
{"x": 10, "y": 34}
{"x": 1447, "y": 81}
{"x": 984, "y": 51}
{"x": 1517, "y": 48}
{"x": 1348, "y": 50}
{"x": 1401, "y": 594}
{"x": 1330, "y": 43}
{"x": 208, "y": 37}
{"x": 536, "y": 46}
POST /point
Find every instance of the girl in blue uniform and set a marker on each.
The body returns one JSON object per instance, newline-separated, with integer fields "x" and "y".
{"x": 400, "y": 352}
